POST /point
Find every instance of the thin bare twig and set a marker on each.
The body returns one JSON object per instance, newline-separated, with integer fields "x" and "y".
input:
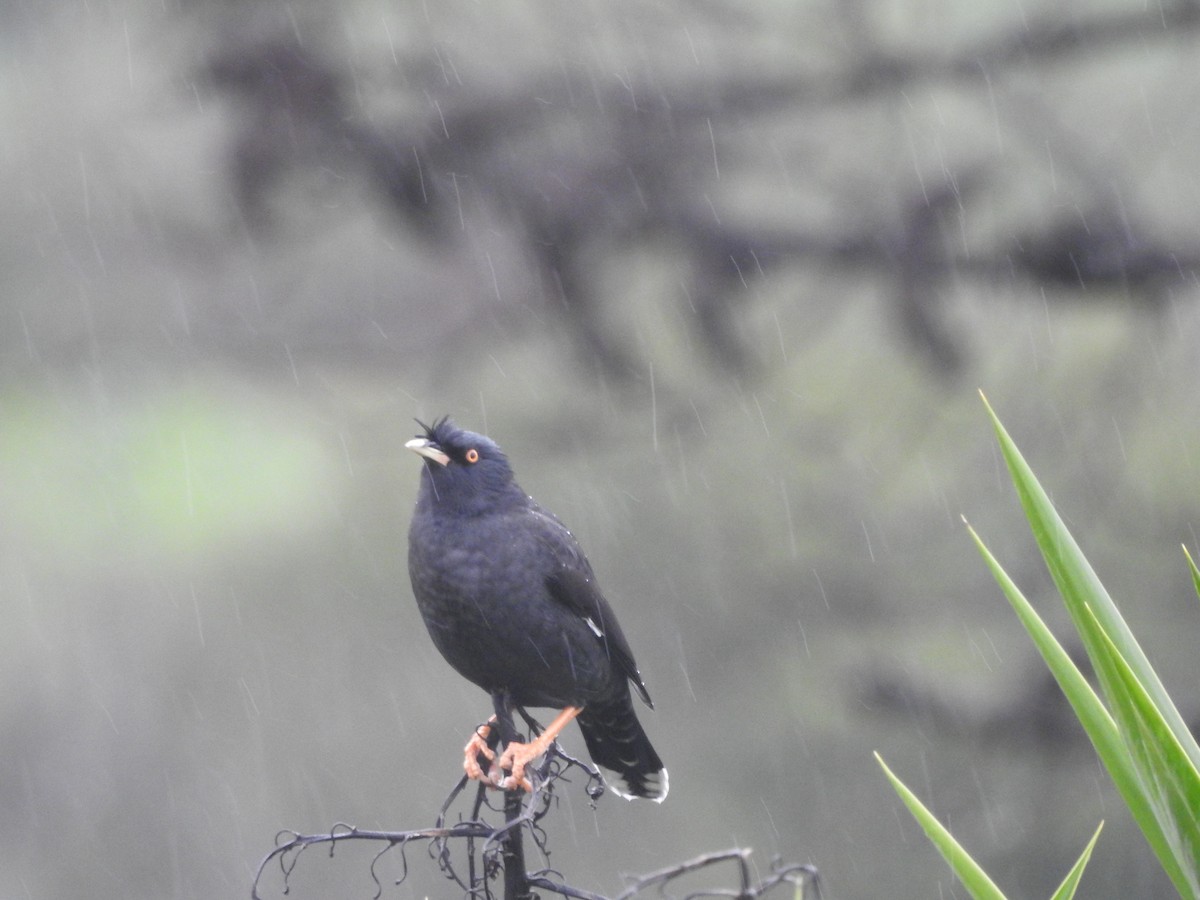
{"x": 490, "y": 851}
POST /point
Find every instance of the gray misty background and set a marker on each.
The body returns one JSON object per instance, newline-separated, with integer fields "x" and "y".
{"x": 724, "y": 281}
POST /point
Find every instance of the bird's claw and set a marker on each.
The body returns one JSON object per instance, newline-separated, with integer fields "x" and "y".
{"x": 513, "y": 760}
{"x": 476, "y": 747}
{"x": 509, "y": 783}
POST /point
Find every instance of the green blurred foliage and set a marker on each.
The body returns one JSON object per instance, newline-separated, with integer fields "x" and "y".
{"x": 182, "y": 474}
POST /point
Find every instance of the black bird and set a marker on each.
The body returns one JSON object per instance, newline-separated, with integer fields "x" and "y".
{"x": 512, "y": 603}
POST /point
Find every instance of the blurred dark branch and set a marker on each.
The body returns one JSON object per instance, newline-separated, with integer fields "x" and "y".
{"x": 1043, "y": 39}
{"x": 580, "y": 168}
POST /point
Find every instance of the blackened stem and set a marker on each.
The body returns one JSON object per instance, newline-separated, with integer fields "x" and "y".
{"x": 516, "y": 883}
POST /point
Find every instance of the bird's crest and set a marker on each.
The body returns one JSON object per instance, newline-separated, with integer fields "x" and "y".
{"x": 441, "y": 429}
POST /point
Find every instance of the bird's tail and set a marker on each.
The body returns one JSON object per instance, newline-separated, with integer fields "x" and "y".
{"x": 617, "y": 743}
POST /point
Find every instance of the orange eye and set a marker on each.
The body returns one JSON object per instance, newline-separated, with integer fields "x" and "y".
{"x": 472, "y": 455}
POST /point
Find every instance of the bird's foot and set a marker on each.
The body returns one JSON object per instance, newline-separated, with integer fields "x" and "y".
{"x": 477, "y": 754}
{"x": 516, "y": 756}
{"x": 514, "y": 759}
{"x": 478, "y": 747}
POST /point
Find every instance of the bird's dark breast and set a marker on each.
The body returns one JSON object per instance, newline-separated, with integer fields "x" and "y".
{"x": 481, "y": 589}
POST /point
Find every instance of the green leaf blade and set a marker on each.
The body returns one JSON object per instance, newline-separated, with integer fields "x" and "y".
{"x": 1066, "y": 890}
{"x": 1100, "y": 726}
{"x": 1169, "y": 781}
{"x": 969, "y": 872}
{"x": 1195, "y": 572}
{"x": 1080, "y": 587}
{"x": 1091, "y": 712}
{"x": 1154, "y": 763}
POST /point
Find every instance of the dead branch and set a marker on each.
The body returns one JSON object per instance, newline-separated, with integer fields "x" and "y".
{"x": 491, "y": 854}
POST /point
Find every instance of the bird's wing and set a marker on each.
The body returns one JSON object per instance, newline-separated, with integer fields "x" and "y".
{"x": 578, "y": 592}
{"x": 573, "y": 584}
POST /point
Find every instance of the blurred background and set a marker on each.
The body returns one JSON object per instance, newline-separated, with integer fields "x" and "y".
{"x": 723, "y": 279}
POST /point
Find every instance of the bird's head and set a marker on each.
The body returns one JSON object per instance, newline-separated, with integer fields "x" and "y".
{"x": 464, "y": 472}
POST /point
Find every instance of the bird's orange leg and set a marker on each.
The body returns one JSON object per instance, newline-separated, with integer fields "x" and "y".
{"x": 517, "y": 756}
{"x": 477, "y": 746}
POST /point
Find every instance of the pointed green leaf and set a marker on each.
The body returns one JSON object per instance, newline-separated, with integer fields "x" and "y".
{"x": 1117, "y": 658}
{"x": 1170, "y": 783}
{"x": 973, "y": 878}
{"x": 1080, "y": 587}
{"x": 1067, "y": 889}
{"x": 1092, "y": 714}
{"x": 1194, "y": 570}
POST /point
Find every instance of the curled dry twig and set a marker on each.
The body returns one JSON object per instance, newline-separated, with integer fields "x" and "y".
{"x": 483, "y": 845}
